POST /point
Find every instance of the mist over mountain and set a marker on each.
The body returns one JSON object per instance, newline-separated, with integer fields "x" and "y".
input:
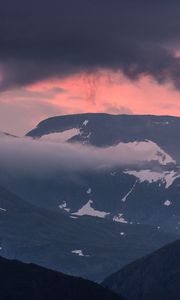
{"x": 103, "y": 130}
{"x": 105, "y": 187}
{"x": 91, "y": 193}
{"x": 123, "y": 168}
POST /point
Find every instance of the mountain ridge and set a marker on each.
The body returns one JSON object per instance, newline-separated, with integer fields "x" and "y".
{"x": 155, "y": 276}
{"x": 28, "y": 281}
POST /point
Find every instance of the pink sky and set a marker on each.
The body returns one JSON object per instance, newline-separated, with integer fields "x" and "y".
{"x": 22, "y": 109}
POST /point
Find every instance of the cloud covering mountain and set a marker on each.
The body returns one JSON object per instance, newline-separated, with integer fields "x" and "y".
{"x": 25, "y": 156}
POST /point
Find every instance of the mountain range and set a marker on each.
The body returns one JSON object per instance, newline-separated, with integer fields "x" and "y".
{"x": 91, "y": 221}
{"x": 145, "y": 192}
{"x": 89, "y": 247}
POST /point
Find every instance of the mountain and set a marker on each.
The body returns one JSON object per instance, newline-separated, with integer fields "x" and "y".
{"x": 156, "y": 276}
{"x": 91, "y": 222}
{"x": 27, "y": 281}
{"x": 89, "y": 247}
{"x": 107, "y": 130}
{"x": 104, "y": 130}
{"x": 145, "y": 193}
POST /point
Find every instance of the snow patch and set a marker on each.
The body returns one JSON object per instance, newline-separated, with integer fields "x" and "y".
{"x": 79, "y": 253}
{"x": 85, "y": 122}
{"x": 88, "y": 210}
{"x": 167, "y": 203}
{"x": 122, "y": 233}
{"x": 150, "y": 151}
{"x": 167, "y": 177}
{"x": 89, "y": 191}
{"x": 3, "y": 209}
{"x": 60, "y": 137}
{"x": 64, "y": 206}
{"x": 170, "y": 177}
{"x": 119, "y": 218}
{"x": 126, "y": 196}
{"x": 88, "y": 135}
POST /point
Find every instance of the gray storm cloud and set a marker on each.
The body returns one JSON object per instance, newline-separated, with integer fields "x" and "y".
{"x": 42, "y": 39}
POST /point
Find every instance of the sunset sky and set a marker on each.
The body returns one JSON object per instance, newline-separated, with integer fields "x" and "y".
{"x": 72, "y": 56}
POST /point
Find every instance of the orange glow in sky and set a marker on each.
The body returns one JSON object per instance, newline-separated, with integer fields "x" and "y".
{"x": 113, "y": 93}
{"x": 21, "y": 109}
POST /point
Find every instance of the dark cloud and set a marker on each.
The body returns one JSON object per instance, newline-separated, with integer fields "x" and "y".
{"x": 44, "y": 39}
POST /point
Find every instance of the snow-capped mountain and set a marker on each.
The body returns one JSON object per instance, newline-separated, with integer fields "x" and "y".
{"x": 107, "y": 205}
{"x": 145, "y": 190}
{"x": 104, "y": 130}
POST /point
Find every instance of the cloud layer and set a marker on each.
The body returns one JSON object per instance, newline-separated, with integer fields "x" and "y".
{"x": 25, "y": 157}
{"x": 43, "y": 39}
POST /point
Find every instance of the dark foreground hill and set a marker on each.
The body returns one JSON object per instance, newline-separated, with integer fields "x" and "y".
{"x": 30, "y": 282}
{"x": 156, "y": 276}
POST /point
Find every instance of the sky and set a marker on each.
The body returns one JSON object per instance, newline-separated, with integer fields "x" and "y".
{"x": 64, "y": 56}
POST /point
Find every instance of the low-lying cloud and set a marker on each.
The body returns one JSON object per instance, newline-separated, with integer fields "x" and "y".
{"x": 27, "y": 157}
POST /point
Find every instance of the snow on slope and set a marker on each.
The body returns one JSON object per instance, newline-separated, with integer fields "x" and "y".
{"x": 3, "y": 209}
{"x": 85, "y": 122}
{"x": 119, "y": 218}
{"x": 64, "y": 206}
{"x": 131, "y": 190}
{"x": 146, "y": 150}
{"x": 88, "y": 191}
{"x": 166, "y": 177}
{"x": 150, "y": 151}
{"x": 79, "y": 253}
{"x": 88, "y": 210}
{"x": 63, "y": 136}
{"x": 167, "y": 203}
{"x": 60, "y": 137}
